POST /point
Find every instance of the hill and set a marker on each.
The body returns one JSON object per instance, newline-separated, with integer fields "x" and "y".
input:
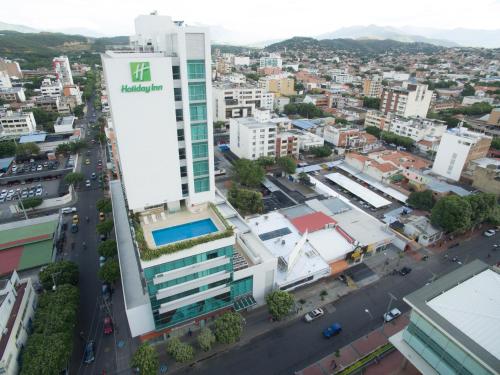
{"x": 361, "y": 46}
{"x": 34, "y": 50}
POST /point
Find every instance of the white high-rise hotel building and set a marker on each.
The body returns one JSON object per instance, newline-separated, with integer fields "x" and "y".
{"x": 158, "y": 95}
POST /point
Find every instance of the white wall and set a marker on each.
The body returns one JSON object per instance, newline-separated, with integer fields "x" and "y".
{"x": 140, "y": 320}
{"x": 263, "y": 278}
{"x": 450, "y": 149}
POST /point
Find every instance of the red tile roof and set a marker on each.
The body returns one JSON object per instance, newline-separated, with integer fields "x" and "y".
{"x": 20, "y": 289}
{"x": 312, "y": 222}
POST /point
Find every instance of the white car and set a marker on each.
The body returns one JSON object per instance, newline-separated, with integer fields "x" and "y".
{"x": 391, "y": 315}
{"x": 489, "y": 233}
{"x": 87, "y": 183}
{"x": 68, "y": 210}
{"x": 315, "y": 314}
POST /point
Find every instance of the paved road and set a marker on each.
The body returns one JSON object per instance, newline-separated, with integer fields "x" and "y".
{"x": 291, "y": 348}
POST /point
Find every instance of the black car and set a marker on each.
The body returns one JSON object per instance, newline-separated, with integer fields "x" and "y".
{"x": 88, "y": 352}
{"x": 404, "y": 271}
{"x": 106, "y": 291}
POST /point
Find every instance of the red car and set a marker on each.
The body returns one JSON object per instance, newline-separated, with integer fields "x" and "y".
{"x": 108, "y": 325}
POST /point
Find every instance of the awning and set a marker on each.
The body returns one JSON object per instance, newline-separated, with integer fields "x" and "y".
{"x": 244, "y": 302}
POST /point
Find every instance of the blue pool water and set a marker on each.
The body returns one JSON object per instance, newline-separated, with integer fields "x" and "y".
{"x": 183, "y": 231}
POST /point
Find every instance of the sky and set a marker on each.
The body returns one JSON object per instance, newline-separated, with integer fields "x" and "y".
{"x": 255, "y": 20}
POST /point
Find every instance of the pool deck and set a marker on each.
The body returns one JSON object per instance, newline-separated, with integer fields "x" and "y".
{"x": 155, "y": 221}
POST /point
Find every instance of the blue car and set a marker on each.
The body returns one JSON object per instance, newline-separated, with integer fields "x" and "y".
{"x": 333, "y": 330}
{"x": 88, "y": 354}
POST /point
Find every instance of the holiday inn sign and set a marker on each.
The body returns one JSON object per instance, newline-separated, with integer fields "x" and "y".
{"x": 140, "y": 72}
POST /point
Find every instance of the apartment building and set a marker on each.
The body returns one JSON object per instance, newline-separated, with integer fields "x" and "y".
{"x": 272, "y": 61}
{"x": 17, "y": 123}
{"x": 51, "y": 88}
{"x": 287, "y": 144}
{"x": 17, "y": 308}
{"x": 341, "y": 76}
{"x": 446, "y": 335}
{"x": 48, "y": 103}
{"x": 254, "y": 137}
{"x": 378, "y": 119}
{"x": 237, "y": 101}
{"x": 5, "y": 82}
{"x": 319, "y": 100}
{"x": 372, "y": 87}
{"x": 64, "y": 125}
{"x": 11, "y": 67}
{"x": 280, "y": 84}
{"x": 458, "y": 147}
{"x": 411, "y": 99}
{"x": 192, "y": 265}
{"x": 62, "y": 69}
{"x": 13, "y": 94}
{"x": 417, "y": 128}
{"x": 346, "y": 137}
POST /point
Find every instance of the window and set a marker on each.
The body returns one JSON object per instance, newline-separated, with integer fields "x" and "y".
{"x": 185, "y": 190}
{"x": 199, "y": 131}
{"x": 201, "y": 184}
{"x": 183, "y": 171}
{"x": 200, "y": 168}
{"x": 198, "y": 112}
{"x": 178, "y": 115}
{"x": 180, "y": 134}
{"x": 197, "y": 91}
{"x": 196, "y": 69}
{"x": 182, "y": 153}
{"x": 176, "y": 72}
{"x": 177, "y": 94}
{"x": 200, "y": 150}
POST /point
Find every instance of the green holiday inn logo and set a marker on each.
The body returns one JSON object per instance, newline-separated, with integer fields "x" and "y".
{"x": 140, "y": 71}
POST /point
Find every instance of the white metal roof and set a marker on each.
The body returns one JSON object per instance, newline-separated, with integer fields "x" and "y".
{"x": 473, "y": 307}
{"x": 366, "y": 194}
{"x": 330, "y": 244}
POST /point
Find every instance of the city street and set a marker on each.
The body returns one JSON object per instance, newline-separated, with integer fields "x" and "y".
{"x": 293, "y": 347}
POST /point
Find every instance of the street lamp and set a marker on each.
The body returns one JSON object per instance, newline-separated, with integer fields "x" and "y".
{"x": 54, "y": 286}
{"x": 369, "y": 313}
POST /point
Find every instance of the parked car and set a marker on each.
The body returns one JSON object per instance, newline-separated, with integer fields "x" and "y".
{"x": 102, "y": 260}
{"x": 333, "y": 330}
{"x": 404, "y": 271}
{"x": 489, "y": 233}
{"x": 93, "y": 176}
{"x": 87, "y": 161}
{"x": 68, "y": 210}
{"x": 105, "y": 291}
{"x": 391, "y": 315}
{"x": 88, "y": 352}
{"x": 108, "y": 325}
{"x": 87, "y": 183}
{"x": 76, "y": 219}
{"x": 102, "y": 217}
{"x": 314, "y": 314}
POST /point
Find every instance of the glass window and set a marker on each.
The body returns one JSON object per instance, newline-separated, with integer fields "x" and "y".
{"x": 198, "y": 112}
{"x": 199, "y": 131}
{"x": 200, "y": 168}
{"x": 196, "y": 69}
{"x": 200, "y": 150}
{"x": 177, "y": 94}
{"x": 180, "y": 134}
{"x": 201, "y": 184}
{"x": 242, "y": 287}
{"x": 176, "y": 72}
{"x": 182, "y": 153}
{"x": 185, "y": 190}
{"x": 183, "y": 171}
{"x": 197, "y": 91}
{"x": 178, "y": 115}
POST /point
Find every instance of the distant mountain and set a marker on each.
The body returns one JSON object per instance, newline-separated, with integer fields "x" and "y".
{"x": 362, "y": 46}
{"x": 18, "y": 28}
{"x": 80, "y": 31}
{"x": 464, "y": 37}
{"x": 383, "y": 32}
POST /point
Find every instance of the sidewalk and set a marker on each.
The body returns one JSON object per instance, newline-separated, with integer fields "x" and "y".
{"x": 447, "y": 241}
{"x": 390, "y": 364}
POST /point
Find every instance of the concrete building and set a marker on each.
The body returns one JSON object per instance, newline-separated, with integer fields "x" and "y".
{"x": 48, "y": 103}
{"x": 458, "y": 147}
{"x": 253, "y": 137}
{"x": 412, "y": 99}
{"x": 13, "y": 94}
{"x": 241, "y": 60}
{"x": 65, "y": 125}
{"x": 378, "y": 119}
{"x": 469, "y": 100}
{"x": 184, "y": 258}
{"x": 11, "y": 67}
{"x": 235, "y": 101}
{"x": 5, "y": 82}
{"x": 280, "y": 84}
{"x": 494, "y": 117}
{"x": 272, "y": 61}
{"x": 308, "y": 139}
{"x": 17, "y": 308}
{"x": 396, "y": 76}
{"x": 51, "y": 88}
{"x": 280, "y": 102}
{"x": 319, "y": 100}
{"x": 372, "y": 87}
{"x": 421, "y": 230}
{"x": 484, "y": 174}
{"x": 340, "y": 76}
{"x": 417, "y": 128}
{"x": 62, "y": 68}
{"x": 287, "y": 144}
{"x": 446, "y": 335}
{"x": 346, "y": 137}
{"x": 17, "y": 123}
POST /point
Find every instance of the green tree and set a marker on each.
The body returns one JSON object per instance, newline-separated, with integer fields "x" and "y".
{"x": 421, "y": 200}
{"x": 30, "y": 202}
{"x": 180, "y": 351}
{"x": 266, "y": 161}
{"x": 76, "y": 146}
{"x": 7, "y": 149}
{"x": 252, "y": 76}
{"x": 373, "y": 130}
{"x": 110, "y": 271}
{"x": 104, "y": 205}
{"x": 74, "y": 178}
{"x": 105, "y": 227}
{"x": 26, "y": 150}
{"x": 495, "y": 143}
{"x": 146, "y": 360}
{"x": 321, "y": 151}
{"x": 307, "y": 110}
{"x": 206, "y": 339}
{"x": 279, "y": 303}
{"x": 63, "y": 272}
{"x": 468, "y": 90}
{"x": 78, "y": 110}
{"x": 63, "y": 148}
{"x": 482, "y": 206}
{"x": 304, "y": 178}
{"x": 228, "y": 327}
{"x": 287, "y": 164}
{"x": 373, "y": 103}
{"x": 398, "y": 140}
{"x": 452, "y": 213}
{"x": 107, "y": 248}
{"x": 246, "y": 201}
{"x": 248, "y": 173}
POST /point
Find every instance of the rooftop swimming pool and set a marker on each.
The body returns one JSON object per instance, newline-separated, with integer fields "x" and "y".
{"x": 183, "y": 232}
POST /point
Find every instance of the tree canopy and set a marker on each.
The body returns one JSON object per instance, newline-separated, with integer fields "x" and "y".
{"x": 30, "y": 202}
{"x": 206, "y": 339}
{"x": 398, "y": 140}
{"x": 228, "y": 327}
{"x": 110, "y": 271}
{"x": 63, "y": 272}
{"x": 107, "y": 248}
{"x": 145, "y": 359}
{"x": 245, "y": 201}
{"x": 105, "y": 227}
{"x": 248, "y": 173}
{"x": 74, "y": 178}
{"x": 26, "y": 150}
{"x": 373, "y": 103}
{"x": 287, "y": 164}
{"x": 104, "y": 205}
{"x": 373, "y": 130}
{"x": 321, "y": 151}
{"x": 421, "y": 200}
{"x": 180, "y": 351}
{"x": 307, "y": 110}
{"x": 279, "y": 303}
{"x": 452, "y": 213}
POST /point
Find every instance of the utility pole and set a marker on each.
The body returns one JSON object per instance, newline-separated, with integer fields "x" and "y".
{"x": 392, "y": 298}
{"x": 22, "y": 206}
